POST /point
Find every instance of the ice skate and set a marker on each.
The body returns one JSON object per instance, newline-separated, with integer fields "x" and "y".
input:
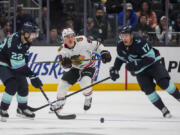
{"x": 4, "y": 115}
{"x": 166, "y": 113}
{"x": 87, "y": 103}
{"x": 26, "y": 113}
{"x": 57, "y": 108}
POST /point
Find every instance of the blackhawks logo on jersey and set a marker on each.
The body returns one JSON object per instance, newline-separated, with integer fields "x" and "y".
{"x": 79, "y": 39}
{"x": 77, "y": 59}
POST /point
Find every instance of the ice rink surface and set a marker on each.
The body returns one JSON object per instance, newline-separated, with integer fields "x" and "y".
{"x": 125, "y": 113}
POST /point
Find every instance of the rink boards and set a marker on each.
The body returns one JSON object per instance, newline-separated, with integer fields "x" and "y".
{"x": 50, "y": 73}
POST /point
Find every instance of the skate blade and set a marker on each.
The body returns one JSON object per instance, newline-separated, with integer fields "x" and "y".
{"x": 4, "y": 119}
{"x": 24, "y": 117}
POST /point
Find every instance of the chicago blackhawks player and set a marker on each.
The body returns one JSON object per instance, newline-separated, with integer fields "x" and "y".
{"x": 71, "y": 55}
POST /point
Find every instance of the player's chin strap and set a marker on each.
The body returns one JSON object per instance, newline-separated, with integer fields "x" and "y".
{"x": 50, "y": 103}
{"x": 70, "y": 116}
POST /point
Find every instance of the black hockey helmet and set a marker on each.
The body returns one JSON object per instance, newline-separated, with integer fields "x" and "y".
{"x": 125, "y": 29}
{"x": 29, "y": 28}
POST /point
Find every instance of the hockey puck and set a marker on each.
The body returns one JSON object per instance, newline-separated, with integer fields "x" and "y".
{"x": 102, "y": 120}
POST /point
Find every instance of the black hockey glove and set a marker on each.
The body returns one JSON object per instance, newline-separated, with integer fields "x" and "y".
{"x": 35, "y": 81}
{"x": 66, "y": 62}
{"x": 114, "y": 73}
{"x": 105, "y": 56}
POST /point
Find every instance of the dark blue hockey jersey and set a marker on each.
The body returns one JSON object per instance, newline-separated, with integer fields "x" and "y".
{"x": 14, "y": 54}
{"x": 140, "y": 53}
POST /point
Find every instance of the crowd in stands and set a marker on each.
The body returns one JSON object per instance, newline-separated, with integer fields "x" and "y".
{"x": 147, "y": 18}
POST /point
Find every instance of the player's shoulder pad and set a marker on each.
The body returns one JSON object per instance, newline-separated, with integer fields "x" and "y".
{"x": 80, "y": 38}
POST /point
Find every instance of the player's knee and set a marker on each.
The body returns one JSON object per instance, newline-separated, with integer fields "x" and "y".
{"x": 164, "y": 83}
{"x": 148, "y": 90}
{"x": 11, "y": 86}
{"x": 23, "y": 92}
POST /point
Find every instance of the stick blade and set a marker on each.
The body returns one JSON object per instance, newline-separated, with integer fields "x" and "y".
{"x": 32, "y": 109}
{"x": 67, "y": 116}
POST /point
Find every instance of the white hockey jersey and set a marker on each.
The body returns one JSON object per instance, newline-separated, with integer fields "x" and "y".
{"x": 84, "y": 49}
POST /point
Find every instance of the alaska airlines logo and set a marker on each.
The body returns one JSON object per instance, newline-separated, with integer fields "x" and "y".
{"x": 51, "y": 69}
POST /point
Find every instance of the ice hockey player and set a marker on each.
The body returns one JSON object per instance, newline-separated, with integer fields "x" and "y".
{"x": 14, "y": 70}
{"x": 143, "y": 61}
{"x": 78, "y": 48}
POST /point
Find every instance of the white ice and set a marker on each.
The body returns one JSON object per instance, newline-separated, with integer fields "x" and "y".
{"x": 125, "y": 113}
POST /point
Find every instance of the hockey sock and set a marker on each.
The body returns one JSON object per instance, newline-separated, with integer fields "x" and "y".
{"x": 6, "y": 101}
{"x": 156, "y": 100}
{"x": 85, "y": 81}
{"x": 22, "y": 101}
{"x": 172, "y": 90}
{"x": 88, "y": 94}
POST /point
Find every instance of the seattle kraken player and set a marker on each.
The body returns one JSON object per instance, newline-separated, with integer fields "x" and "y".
{"x": 14, "y": 70}
{"x": 143, "y": 61}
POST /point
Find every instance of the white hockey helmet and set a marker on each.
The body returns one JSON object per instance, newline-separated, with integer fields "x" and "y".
{"x": 66, "y": 32}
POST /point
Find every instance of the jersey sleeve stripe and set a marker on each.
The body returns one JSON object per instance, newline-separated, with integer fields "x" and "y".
{"x": 121, "y": 58}
{"x": 150, "y": 58}
{"x": 5, "y": 62}
{"x": 18, "y": 69}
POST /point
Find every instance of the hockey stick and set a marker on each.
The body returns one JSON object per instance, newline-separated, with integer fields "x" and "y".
{"x": 70, "y": 116}
{"x": 41, "y": 107}
{"x": 40, "y": 62}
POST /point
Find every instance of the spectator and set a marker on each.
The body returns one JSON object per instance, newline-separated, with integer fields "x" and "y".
{"x": 135, "y": 4}
{"x": 53, "y": 35}
{"x": 131, "y": 17}
{"x": 92, "y": 33}
{"x": 161, "y": 30}
{"x": 56, "y": 12}
{"x": 173, "y": 10}
{"x": 100, "y": 22}
{"x": 113, "y": 6}
{"x": 71, "y": 14}
{"x": 146, "y": 10}
{"x": 23, "y": 18}
{"x": 142, "y": 27}
{"x": 44, "y": 19}
{"x": 2, "y": 18}
{"x": 5, "y": 30}
{"x": 69, "y": 24}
